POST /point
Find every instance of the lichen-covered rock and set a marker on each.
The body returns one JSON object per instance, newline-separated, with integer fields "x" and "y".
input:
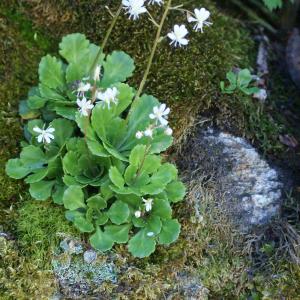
{"x": 250, "y": 189}
{"x": 80, "y": 273}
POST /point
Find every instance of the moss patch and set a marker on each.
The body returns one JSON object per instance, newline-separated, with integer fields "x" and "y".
{"x": 188, "y": 79}
{"x": 38, "y": 227}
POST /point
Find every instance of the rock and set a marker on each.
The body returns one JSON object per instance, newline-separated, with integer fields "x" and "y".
{"x": 293, "y": 56}
{"x": 89, "y": 256}
{"x": 251, "y": 188}
{"x": 80, "y": 274}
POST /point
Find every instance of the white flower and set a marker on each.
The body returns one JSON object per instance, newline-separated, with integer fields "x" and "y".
{"x": 109, "y": 96}
{"x": 201, "y": 16}
{"x": 148, "y": 132}
{"x": 159, "y": 2}
{"x": 134, "y": 8}
{"x": 148, "y": 203}
{"x": 82, "y": 88}
{"x": 177, "y": 35}
{"x": 45, "y": 135}
{"x": 139, "y": 135}
{"x": 97, "y": 73}
{"x": 168, "y": 131}
{"x": 262, "y": 95}
{"x": 84, "y": 106}
{"x": 150, "y": 233}
{"x": 138, "y": 214}
{"x": 160, "y": 113}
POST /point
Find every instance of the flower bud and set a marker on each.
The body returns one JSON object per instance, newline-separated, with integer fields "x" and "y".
{"x": 138, "y": 214}
{"x": 168, "y": 131}
{"x": 139, "y": 135}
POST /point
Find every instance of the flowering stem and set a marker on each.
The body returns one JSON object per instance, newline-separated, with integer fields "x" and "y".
{"x": 156, "y": 41}
{"x": 113, "y": 22}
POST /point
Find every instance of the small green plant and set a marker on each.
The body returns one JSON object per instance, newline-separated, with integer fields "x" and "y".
{"x": 274, "y": 4}
{"x": 93, "y": 149}
{"x": 239, "y": 81}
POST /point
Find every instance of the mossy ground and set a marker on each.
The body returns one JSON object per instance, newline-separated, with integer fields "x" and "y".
{"x": 188, "y": 79}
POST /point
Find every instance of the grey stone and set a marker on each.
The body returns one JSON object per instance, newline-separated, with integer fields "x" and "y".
{"x": 89, "y": 256}
{"x": 250, "y": 187}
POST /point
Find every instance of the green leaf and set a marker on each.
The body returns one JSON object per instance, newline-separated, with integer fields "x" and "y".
{"x": 244, "y": 78}
{"x": 50, "y": 94}
{"x": 51, "y": 72}
{"x": 151, "y": 164}
{"x": 137, "y": 155}
{"x": 165, "y": 174}
{"x": 83, "y": 225}
{"x": 63, "y": 130}
{"x": 169, "y": 232}
{"x": 125, "y": 97}
{"x": 66, "y": 112}
{"x": 130, "y": 174}
{"x": 102, "y": 219}
{"x": 15, "y": 169}
{"x": 33, "y": 123}
{"x": 70, "y": 164}
{"x": 118, "y": 233}
{"x": 161, "y": 208}
{"x": 118, "y": 66}
{"x": 96, "y": 202}
{"x": 73, "y": 47}
{"x": 116, "y": 177}
{"x": 36, "y": 102}
{"x": 97, "y": 149}
{"x": 41, "y": 190}
{"x": 175, "y": 191}
{"x": 273, "y": 4}
{"x": 152, "y": 189}
{"x": 119, "y": 212}
{"x": 141, "y": 245}
{"x": 85, "y": 126}
{"x": 26, "y": 112}
{"x": 154, "y": 224}
{"x": 101, "y": 241}
{"x": 58, "y": 194}
{"x": 73, "y": 198}
{"x": 37, "y": 176}
{"x": 33, "y": 157}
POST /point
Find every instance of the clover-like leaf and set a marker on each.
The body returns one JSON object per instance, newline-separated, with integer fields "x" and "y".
{"x": 73, "y": 197}
{"x": 118, "y": 66}
{"x": 141, "y": 245}
{"x": 169, "y": 232}
{"x": 118, "y": 212}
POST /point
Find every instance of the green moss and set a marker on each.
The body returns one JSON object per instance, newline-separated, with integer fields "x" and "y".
{"x": 38, "y": 227}
{"x": 20, "y": 278}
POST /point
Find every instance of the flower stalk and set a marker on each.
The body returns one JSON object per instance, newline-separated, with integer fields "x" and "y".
{"x": 156, "y": 41}
{"x": 112, "y": 24}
